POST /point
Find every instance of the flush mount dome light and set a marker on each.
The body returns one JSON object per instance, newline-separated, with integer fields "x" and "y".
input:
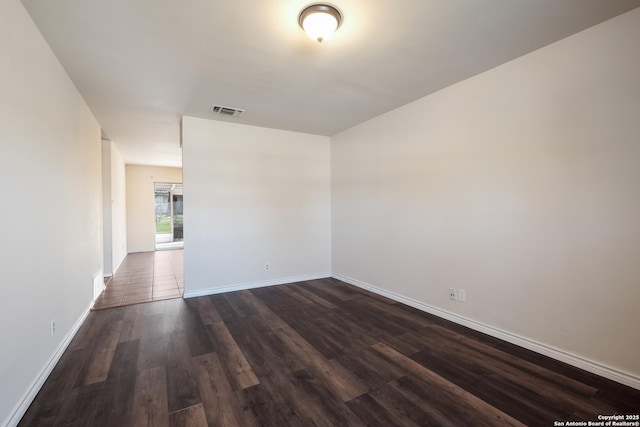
{"x": 320, "y": 21}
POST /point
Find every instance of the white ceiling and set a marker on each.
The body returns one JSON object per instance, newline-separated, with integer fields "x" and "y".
{"x": 142, "y": 64}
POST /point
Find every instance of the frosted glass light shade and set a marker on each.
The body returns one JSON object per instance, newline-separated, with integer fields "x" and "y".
{"x": 320, "y": 21}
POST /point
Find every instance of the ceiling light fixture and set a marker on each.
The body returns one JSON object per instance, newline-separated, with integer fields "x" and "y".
{"x": 320, "y": 21}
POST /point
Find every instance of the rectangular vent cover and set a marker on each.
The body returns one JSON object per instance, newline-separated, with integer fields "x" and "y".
{"x": 226, "y": 111}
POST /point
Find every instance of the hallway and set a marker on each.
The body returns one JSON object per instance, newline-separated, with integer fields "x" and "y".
{"x": 144, "y": 277}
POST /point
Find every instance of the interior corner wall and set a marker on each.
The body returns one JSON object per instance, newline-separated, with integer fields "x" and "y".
{"x": 520, "y": 185}
{"x": 51, "y": 216}
{"x": 140, "y": 203}
{"x": 118, "y": 208}
{"x": 252, "y": 196}
{"x": 114, "y": 207}
{"x": 107, "y": 226}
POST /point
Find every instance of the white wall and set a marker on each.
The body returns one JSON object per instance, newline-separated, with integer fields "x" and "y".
{"x": 114, "y": 206}
{"x": 107, "y": 226}
{"x": 520, "y": 185}
{"x": 51, "y": 216}
{"x": 140, "y": 206}
{"x": 118, "y": 208}
{"x": 253, "y": 195}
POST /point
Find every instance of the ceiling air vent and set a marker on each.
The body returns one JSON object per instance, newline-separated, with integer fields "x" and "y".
{"x": 226, "y": 111}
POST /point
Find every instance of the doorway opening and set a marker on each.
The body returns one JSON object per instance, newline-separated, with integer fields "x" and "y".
{"x": 168, "y": 209}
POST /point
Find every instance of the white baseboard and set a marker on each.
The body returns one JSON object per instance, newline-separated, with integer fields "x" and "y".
{"x": 544, "y": 349}
{"x": 254, "y": 285}
{"x": 27, "y": 398}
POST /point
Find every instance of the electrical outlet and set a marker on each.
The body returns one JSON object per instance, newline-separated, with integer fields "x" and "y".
{"x": 53, "y": 327}
{"x": 267, "y": 266}
{"x": 462, "y": 295}
{"x": 452, "y": 294}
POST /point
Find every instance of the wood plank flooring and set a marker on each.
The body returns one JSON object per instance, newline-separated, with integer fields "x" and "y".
{"x": 317, "y": 353}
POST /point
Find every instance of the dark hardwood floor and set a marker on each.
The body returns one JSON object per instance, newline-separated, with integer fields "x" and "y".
{"x": 318, "y": 353}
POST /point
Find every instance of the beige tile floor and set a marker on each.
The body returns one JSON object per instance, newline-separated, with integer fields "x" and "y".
{"x": 144, "y": 277}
